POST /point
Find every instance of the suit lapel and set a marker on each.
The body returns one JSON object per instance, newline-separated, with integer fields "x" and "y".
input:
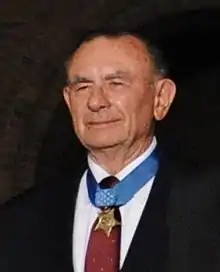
{"x": 176, "y": 220}
{"x": 194, "y": 220}
{"x": 59, "y": 224}
{"x": 149, "y": 247}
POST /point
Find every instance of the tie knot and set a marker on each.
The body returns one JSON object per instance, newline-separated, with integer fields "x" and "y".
{"x": 108, "y": 182}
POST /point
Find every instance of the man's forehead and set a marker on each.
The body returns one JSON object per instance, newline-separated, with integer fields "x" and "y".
{"x": 125, "y": 41}
{"x": 110, "y": 49}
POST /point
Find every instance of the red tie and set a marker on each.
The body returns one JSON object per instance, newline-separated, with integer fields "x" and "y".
{"x": 103, "y": 252}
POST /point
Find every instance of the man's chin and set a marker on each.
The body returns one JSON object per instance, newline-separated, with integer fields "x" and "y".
{"x": 102, "y": 145}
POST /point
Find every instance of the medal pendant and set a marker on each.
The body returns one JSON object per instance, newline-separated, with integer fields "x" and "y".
{"x": 106, "y": 221}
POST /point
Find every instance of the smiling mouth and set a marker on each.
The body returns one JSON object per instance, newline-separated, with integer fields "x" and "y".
{"x": 103, "y": 123}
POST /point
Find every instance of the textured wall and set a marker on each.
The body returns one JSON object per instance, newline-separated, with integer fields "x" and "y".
{"x": 33, "y": 37}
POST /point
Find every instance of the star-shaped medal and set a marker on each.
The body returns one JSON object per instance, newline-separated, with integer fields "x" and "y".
{"x": 106, "y": 221}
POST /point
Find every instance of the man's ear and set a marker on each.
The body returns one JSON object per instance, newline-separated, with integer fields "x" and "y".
{"x": 165, "y": 93}
{"x": 66, "y": 96}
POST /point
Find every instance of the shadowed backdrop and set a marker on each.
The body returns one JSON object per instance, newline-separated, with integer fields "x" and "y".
{"x": 36, "y": 139}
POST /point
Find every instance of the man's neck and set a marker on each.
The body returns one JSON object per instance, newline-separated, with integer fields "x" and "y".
{"x": 113, "y": 160}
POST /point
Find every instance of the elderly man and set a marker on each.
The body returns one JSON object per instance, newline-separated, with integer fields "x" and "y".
{"x": 129, "y": 208}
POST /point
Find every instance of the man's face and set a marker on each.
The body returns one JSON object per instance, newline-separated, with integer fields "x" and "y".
{"x": 113, "y": 96}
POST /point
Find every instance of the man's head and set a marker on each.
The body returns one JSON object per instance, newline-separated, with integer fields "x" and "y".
{"x": 116, "y": 89}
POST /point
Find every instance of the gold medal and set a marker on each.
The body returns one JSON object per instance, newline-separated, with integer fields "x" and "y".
{"x": 106, "y": 221}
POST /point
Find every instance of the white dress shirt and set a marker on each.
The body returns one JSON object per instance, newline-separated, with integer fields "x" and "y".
{"x": 86, "y": 213}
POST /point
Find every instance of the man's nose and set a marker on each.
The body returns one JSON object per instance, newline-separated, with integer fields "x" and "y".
{"x": 98, "y": 99}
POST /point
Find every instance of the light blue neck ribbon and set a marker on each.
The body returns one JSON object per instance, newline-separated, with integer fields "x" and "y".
{"x": 124, "y": 191}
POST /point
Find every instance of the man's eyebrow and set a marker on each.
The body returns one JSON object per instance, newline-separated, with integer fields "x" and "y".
{"x": 118, "y": 74}
{"x": 79, "y": 79}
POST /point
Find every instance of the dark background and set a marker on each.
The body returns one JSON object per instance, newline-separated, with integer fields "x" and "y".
{"x": 36, "y": 139}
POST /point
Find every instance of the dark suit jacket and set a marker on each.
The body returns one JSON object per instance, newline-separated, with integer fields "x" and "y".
{"x": 179, "y": 229}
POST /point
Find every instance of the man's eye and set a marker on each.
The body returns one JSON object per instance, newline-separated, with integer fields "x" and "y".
{"x": 116, "y": 83}
{"x": 81, "y": 88}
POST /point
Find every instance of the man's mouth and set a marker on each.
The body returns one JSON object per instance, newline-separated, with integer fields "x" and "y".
{"x": 100, "y": 123}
